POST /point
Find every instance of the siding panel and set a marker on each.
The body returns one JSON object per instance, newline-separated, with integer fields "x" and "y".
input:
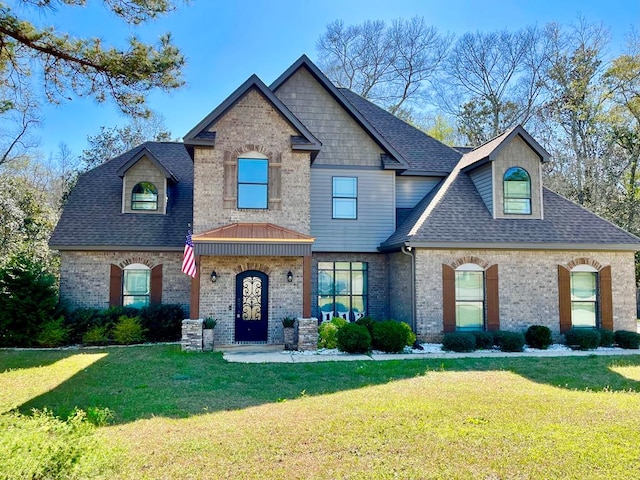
{"x": 482, "y": 180}
{"x": 376, "y": 211}
{"x": 410, "y": 190}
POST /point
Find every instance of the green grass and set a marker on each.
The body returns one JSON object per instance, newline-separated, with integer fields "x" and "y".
{"x": 186, "y": 415}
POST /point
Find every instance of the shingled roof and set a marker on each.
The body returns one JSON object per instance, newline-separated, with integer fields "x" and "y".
{"x": 93, "y": 218}
{"x": 455, "y": 216}
{"x": 424, "y": 154}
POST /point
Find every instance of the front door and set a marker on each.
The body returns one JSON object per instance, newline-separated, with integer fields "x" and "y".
{"x": 252, "y": 294}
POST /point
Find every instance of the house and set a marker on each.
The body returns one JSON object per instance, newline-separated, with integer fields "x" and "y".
{"x": 306, "y": 199}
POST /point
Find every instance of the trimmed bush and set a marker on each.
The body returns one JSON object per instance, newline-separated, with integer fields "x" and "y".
{"x": 606, "y": 338}
{"x": 484, "y": 340}
{"x": 128, "y": 330}
{"x": 511, "y": 341}
{"x": 389, "y": 336}
{"x": 52, "y": 333}
{"x": 98, "y": 335}
{"x": 538, "y": 336}
{"x": 163, "y": 322}
{"x": 459, "y": 342}
{"x": 367, "y": 322}
{"x": 328, "y": 331}
{"x": 628, "y": 340}
{"x": 410, "y": 337}
{"x": 353, "y": 338}
{"x": 582, "y": 338}
{"x": 79, "y": 321}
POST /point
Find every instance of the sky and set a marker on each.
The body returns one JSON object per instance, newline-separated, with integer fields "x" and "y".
{"x": 226, "y": 41}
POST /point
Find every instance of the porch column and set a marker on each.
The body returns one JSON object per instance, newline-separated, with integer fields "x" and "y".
{"x": 306, "y": 286}
{"x": 194, "y": 308}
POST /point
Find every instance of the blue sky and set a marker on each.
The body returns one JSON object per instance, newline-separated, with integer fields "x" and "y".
{"x": 227, "y": 41}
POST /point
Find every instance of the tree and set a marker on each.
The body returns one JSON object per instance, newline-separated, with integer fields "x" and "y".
{"x": 492, "y": 81}
{"x": 113, "y": 141}
{"x": 387, "y": 64}
{"x": 82, "y": 66}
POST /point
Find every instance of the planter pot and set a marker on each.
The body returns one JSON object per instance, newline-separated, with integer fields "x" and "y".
{"x": 207, "y": 339}
{"x": 289, "y": 338}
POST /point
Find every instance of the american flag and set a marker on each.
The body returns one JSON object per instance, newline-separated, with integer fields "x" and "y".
{"x": 188, "y": 258}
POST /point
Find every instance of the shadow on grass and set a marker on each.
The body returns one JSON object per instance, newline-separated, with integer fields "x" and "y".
{"x": 144, "y": 382}
{"x": 12, "y": 359}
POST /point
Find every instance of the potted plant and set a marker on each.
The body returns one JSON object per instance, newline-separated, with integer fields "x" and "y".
{"x": 288, "y": 325}
{"x": 208, "y": 325}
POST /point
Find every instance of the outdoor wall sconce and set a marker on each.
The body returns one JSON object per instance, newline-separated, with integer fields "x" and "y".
{"x": 289, "y": 276}
{"x": 214, "y": 276}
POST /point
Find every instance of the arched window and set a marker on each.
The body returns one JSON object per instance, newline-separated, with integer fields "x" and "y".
{"x": 144, "y": 196}
{"x": 136, "y": 285}
{"x": 584, "y": 296}
{"x": 517, "y": 191}
{"x": 253, "y": 181}
{"x": 470, "y": 297}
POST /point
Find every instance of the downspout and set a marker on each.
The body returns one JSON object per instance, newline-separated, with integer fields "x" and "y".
{"x": 408, "y": 250}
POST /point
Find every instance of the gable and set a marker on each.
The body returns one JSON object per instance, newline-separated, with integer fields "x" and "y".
{"x": 144, "y": 170}
{"x": 344, "y": 141}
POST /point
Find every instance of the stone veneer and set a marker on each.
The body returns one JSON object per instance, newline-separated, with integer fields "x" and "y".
{"x": 377, "y": 281}
{"x": 218, "y": 299}
{"x": 192, "y": 335}
{"x": 528, "y": 286}
{"x": 307, "y": 334}
{"x": 84, "y": 276}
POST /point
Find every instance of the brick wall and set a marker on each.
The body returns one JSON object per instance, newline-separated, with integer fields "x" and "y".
{"x": 84, "y": 276}
{"x": 528, "y": 286}
{"x": 252, "y": 124}
{"x": 400, "y": 282}
{"x": 218, "y": 299}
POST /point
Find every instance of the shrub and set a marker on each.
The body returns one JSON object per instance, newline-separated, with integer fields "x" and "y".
{"x": 128, "y": 330}
{"x": 511, "y": 341}
{"x": 459, "y": 342}
{"x": 328, "y": 331}
{"x": 484, "y": 340}
{"x": 79, "y": 321}
{"x": 367, "y": 322}
{"x": 388, "y": 336}
{"x": 28, "y": 300}
{"x": 410, "y": 337}
{"x": 606, "y": 337}
{"x": 52, "y": 333}
{"x": 582, "y": 338}
{"x": 538, "y": 336}
{"x": 97, "y": 335}
{"x": 162, "y": 321}
{"x": 353, "y": 338}
{"x": 628, "y": 340}
{"x": 210, "y": 323}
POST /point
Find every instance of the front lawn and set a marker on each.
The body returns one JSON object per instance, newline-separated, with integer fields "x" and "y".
{"x": 192, "y": 415}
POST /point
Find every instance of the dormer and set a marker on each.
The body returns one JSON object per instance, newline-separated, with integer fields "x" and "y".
{"x": 507, "y": 172}
{"x": 145, "y": 184}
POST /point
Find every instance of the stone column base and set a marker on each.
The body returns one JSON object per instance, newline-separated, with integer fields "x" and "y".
{"x": 192, "y": 340}
{"x": 307, "y": 334}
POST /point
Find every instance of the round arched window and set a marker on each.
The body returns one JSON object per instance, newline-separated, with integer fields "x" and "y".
{"x": 517, "y": 191}
{"x": 144, "y": 196}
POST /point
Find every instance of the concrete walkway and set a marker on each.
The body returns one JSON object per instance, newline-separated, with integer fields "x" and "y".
{"x": 277, "y": 354}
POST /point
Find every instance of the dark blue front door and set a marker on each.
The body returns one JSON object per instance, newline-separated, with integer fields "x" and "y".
{"x": 252, "y": 294}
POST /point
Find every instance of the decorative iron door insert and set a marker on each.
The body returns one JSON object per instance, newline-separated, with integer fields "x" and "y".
{"x": 252, "y": 294}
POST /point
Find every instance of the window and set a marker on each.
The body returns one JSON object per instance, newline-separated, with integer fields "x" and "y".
{"x": 144, "y": 196}
{"x": 253, "y": 182}
{"x": 136, "y": 283}
{"x": 517, "y": 191}
{"x": 470, "y": 297}
{"x": 345, "y": 197}
{"x": 342, "y": 289}
{"x": 584, "y": 296}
